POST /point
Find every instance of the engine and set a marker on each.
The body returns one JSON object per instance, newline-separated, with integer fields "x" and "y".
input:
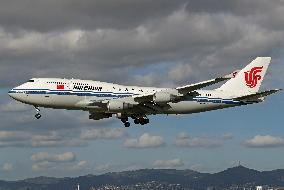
{"x": 114, "y": 105}
{"x": 163, "y": 97}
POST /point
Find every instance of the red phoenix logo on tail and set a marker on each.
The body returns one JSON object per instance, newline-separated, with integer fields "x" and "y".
{"x": 252, "y": 76}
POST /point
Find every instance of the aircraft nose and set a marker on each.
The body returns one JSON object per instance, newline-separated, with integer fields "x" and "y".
{"x": 11, "y": 93}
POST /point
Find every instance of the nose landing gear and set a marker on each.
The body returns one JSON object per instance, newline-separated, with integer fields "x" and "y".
{"x": 37, "y": 115}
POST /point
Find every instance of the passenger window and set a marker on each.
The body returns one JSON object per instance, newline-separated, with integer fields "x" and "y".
{"x": 30, "y": 80}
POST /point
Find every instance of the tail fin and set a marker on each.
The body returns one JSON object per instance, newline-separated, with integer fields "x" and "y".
{"x": 249, "y": 79}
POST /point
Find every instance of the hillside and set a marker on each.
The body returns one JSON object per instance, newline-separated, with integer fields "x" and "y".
{"x": 188, "y": 179}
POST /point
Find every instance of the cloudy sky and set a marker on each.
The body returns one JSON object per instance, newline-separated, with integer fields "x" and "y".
{"x": 138, "y": 42}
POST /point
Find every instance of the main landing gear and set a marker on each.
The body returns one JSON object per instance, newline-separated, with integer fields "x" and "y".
{"x": 141, "y": 120}
{"x": 125, "y": 121}
{"x": 37, "y": 115}
{"x": 137, "y": 120}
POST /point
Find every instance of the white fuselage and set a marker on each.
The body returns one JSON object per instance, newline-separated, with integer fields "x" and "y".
{"x": 70, "y": 93}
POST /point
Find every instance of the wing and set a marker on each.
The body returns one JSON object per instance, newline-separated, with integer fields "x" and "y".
{"x": 196, "y": 86}
{"x": 180, "y": 93}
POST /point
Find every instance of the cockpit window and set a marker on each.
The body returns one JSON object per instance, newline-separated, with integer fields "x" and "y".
{"x": 31, "y": 80}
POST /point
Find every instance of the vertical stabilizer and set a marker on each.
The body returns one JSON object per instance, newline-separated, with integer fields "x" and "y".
{"x": 249, "y": 79}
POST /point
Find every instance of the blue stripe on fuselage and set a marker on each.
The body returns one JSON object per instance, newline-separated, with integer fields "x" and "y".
{"x": 77, "y": 93}
{"x": 217, "y": 100}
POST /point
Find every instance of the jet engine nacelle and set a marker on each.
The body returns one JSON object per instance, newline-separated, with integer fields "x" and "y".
{"x": 114, "y": 105}
{"x": 163, "y": 97}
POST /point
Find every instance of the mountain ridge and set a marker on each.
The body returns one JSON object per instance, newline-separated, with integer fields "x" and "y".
{"x": 239, "y": 175}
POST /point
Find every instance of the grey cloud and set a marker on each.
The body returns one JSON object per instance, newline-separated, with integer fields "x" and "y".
{"x": 14, "y": 106}
{"x": 184, "y": 140}
{"x": 61, "y": 138}
{"x": 7, "y": 167}
{"x": 167, "y": 164}
{"x": 103, "y": 134}
{"x": 144, "y": 141}
{"x": 57, "y": 168}
{"x": 37, "y": 139}
{"x": 53, "y": 15}
{"x": 12, "y": 135}
{"x": 45, "y": 156}
{"x": 264, "y": 141}
{"x": 42, "y": 166}
{"x": 228, "y": 136}
{"x": 46, "y": 162}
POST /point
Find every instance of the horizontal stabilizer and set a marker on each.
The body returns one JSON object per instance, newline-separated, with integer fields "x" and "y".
{"x": 256, "y": 96}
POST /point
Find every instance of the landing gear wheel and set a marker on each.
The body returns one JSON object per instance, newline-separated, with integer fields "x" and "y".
{"x": 136, "y": 121}
{"x": 127, "y": 124}
{"x": 146, "y": 121}
{"x": 141, "y": 121}
{"x": 124, "y": 120}
{"x": 37, "y": 115}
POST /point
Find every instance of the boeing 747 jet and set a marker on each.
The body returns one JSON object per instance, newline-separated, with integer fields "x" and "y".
{"x": 103, "y": 100}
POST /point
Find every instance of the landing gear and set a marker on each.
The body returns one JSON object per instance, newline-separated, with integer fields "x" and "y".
{"x": 37, "y": 115}
{"x": 127, "y": 124}
{"x": 146, "y": 120}
{"x": 141, "y": 120}
{"x": 125, "y": 121}
{"x": 136, "y": 121}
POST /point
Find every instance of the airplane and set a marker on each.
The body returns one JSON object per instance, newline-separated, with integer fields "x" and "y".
{"x": 103, "y": 100}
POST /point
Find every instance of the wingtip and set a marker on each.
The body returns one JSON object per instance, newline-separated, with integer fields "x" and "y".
{"x": 277, "y": 90}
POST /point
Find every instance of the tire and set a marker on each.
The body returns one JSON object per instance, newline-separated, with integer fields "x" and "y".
{"x": 136, "y": 121}
{"x": 126, "y": 124}
{"x": 141, "y": 120}
{"x": 38, "y": 116}
{"x": 124, "y": 120}
{"x": 146, "y": 121}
